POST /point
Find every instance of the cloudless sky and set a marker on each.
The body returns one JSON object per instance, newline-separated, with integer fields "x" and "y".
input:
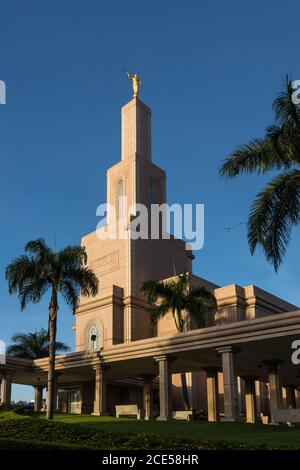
{"x": 210, "y": 72}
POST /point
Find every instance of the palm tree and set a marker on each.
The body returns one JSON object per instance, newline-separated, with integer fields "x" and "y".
{"x": 276, "y": 209}
{"x": 183, "y": 302}
{"x": 42, "y": 269}
{"x": 33, "y": 345}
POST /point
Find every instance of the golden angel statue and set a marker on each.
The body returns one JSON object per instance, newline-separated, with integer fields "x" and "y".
{"x": 136, "y": 82}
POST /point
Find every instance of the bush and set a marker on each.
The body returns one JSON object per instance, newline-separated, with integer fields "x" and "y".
{"x": 16, "y": 408}
{"x": 22, "y": 444}
{"x": 38, "y": 434}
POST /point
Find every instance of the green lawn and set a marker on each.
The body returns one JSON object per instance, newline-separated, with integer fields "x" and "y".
{"x": 107, "y": 433}
{"x": 252, "y": 433}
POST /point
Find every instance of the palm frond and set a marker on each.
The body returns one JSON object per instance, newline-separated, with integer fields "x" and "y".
{"x": 206, "y": 295}
{"x": 19, "y": 271}
{"x": 33, "y": 345}
{"x": 70, "y": 290}
{"x": 200, "y": 302}
{"x": 32, "y": 275}
{"x": 86, "y": 280}
{"x": 159, "y": 311}
{"x": 155, "y": 290}
{"x": 39, "y": 248}
{"x": 284, "y": 109}
{"x": 32, "y": 290}
{"x": 275, "y": 211}
{"x": 259, "y": 155}
{"x": 62, "y": 347}
{"x": 177, "y": 296}
{"x": 279, "y": 149}
{"x": 72, "y": 256}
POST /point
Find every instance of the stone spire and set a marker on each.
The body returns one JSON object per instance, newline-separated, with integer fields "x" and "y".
{"x": 136, "y": 130}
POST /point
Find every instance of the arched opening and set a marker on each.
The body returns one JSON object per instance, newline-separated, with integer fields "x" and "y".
{"x": 94, "y": 337}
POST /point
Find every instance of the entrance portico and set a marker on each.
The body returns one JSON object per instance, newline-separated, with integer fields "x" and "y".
{"x": 244, "y": 349}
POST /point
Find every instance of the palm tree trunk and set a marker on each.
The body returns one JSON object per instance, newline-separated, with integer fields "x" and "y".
{"x": 51, "y": 372}
{"x": 185, "y": 393}
{"x": 180, "y": 325}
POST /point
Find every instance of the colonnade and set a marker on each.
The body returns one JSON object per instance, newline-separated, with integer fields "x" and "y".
{"x": 231, "y": 400}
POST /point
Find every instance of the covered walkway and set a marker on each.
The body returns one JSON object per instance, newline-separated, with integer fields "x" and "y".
{"x": 254, "y": 350}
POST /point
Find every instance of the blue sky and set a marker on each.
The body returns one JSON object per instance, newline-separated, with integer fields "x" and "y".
{"x": 210, "y": 71}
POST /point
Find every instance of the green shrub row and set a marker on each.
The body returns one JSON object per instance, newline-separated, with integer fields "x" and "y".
{"x": 22, "y": 444}
{"x": 33, "y": 433}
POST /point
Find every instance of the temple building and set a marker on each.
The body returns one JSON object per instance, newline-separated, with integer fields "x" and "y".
{"x": 237, "y": 367}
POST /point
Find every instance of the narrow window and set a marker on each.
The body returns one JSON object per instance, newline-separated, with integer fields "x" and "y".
{"x": 120, "y": 191}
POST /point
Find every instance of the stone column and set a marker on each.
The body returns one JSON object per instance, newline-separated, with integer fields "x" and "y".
{"x": 148, "y": 395}
{"x": 250, "y": 399}
{"x": 258, "y": 397}
{"x": 275, "y": 385}
{"x": 38, "y": 397}
{"x": 229, "y": 369}
{"x": 100, "y": 402}
{"x": 262, "y": 398}
{"x": 213, "y": 406}
{"x": 291, "y": 396}
{"x": 165, "y": 387}
{"x": 297, "y": 394}
{"x": 241, "y": 393}
{"x": 6, "y": 389}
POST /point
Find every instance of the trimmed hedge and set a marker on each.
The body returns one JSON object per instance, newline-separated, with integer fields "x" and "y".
{"x": 22, "y": 444}
{"x": 37, "y": 434}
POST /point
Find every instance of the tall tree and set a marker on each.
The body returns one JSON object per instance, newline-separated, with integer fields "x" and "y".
{"x": 178, "y": 297}
{"x": 33, "y": 345}
{"x": 276, "y": 209}
{"x": 62, "y": 272}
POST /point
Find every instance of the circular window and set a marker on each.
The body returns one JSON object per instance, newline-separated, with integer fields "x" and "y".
{"x": 94, "y": 336}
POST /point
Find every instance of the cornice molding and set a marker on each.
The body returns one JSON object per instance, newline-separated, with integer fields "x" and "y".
{"x": 233, "y": 334}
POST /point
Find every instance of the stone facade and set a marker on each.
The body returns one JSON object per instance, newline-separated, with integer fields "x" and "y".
{"x": 122, "y": 359}
{"x": 122, "y": 265}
